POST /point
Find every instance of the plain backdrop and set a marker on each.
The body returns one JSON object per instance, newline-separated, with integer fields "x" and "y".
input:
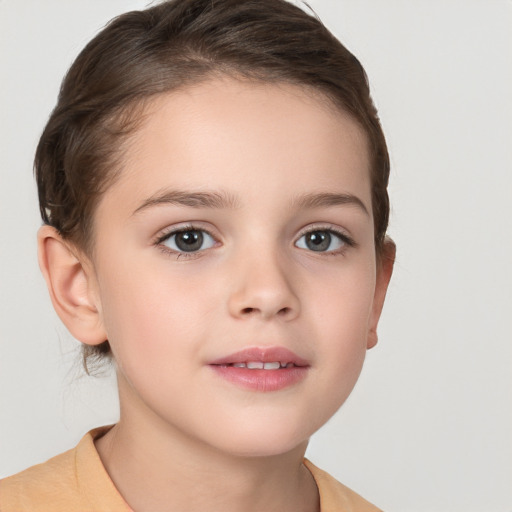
{"x": 428, "y": 427}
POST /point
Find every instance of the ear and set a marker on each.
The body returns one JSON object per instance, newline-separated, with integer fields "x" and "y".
{"x": 384, "y": 270}
{"x": 70, "y": 281}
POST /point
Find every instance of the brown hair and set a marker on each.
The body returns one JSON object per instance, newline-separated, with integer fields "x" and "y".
{"x": 171, "y": 45}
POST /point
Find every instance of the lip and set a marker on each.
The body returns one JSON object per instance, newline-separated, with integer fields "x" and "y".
{"x": 263, "y": 354}
{"x": 262, "y": 380}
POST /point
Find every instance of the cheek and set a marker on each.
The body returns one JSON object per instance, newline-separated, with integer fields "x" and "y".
{"x": 343, "y": 300}
{"x": 144, "y": 310}
{"x": 144, "y": 321}
{"x": 343, "y": 311}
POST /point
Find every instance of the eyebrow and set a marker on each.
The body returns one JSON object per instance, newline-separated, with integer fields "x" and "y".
{"x": 326, "y": 199}
{"x": 224, "y": 200}
{"x": 216, "y": 200}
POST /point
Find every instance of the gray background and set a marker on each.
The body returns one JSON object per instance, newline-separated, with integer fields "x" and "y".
{"x": 428, "y": 427}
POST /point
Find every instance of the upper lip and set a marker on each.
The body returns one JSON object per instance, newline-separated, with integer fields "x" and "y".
{"x": 262, "y": 354}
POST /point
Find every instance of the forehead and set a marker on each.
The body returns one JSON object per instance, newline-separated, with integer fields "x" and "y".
{"x": 239, "y": 135}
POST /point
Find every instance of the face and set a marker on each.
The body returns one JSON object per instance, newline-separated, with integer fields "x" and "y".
{"x": 234, "y": 265}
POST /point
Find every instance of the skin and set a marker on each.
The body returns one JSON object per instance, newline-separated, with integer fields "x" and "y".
{"x": 167, "y": 314}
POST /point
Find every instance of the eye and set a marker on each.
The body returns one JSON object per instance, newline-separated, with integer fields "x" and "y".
{"x": 188, "y": 240}
{"x": 323, "y": 240}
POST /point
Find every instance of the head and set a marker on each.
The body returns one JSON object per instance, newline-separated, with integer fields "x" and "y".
{"x": 172, "y": 47}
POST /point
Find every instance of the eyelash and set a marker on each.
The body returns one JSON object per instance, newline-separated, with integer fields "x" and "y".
{"x": 166, "y": 235}
{"x": 347, "y": 240}
{"x": 159, "y": 242}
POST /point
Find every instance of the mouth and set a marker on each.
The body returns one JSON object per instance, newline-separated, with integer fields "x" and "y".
{"x": 260, "y": 365}
{"x": 262, "y": 369}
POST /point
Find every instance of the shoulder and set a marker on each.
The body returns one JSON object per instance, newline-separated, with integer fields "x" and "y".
{"x": 336, "y": 497}
{"x": 50, "y": 482}
{"x": 74, "y": 481}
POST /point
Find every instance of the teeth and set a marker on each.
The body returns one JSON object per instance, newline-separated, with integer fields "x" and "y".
{"x": 255, "y": 365}
{"x": 259, "y": 365}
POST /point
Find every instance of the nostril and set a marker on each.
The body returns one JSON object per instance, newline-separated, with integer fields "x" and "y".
{"x": 281, "y": 312}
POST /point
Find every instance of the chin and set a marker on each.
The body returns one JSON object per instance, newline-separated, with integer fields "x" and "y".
{"x": 263, "y": 442}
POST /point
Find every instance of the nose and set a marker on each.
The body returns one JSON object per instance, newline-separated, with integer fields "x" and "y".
{"x": 261, "y": 287}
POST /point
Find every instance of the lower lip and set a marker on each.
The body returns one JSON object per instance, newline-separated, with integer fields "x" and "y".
{"x": 262, "y": 380}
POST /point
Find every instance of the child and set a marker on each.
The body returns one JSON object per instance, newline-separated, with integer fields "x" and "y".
{"x": 213, "y": 184}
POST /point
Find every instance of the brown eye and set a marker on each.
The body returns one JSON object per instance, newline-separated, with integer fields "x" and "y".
{"x": 189, "y": 240}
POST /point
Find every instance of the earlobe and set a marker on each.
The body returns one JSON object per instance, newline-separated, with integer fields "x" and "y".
{"x": 384, "y": 272}
{"x": 70, "y": 287}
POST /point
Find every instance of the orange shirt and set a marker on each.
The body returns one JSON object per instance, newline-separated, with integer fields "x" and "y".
{"x": 76, "y": 481}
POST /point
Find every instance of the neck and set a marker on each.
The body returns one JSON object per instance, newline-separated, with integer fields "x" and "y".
{"x": 157, "y": 468}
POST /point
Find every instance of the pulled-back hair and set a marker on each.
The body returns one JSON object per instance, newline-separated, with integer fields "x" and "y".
{"x": 177, "y": 43}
